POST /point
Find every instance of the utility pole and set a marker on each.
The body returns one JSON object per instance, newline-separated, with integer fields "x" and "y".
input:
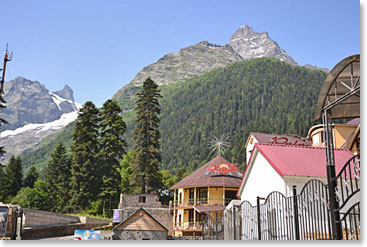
{"x": 7, "y": 58}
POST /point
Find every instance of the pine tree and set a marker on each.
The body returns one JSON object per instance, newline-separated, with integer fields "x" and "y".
{"x": 13, "y": 178}
{"x": 85, "y": 172}
{"x": 147, "y": 155}
{"x": 2, "y": 121}
{"x": 113, "y": 147}
{"x": 31, "y": 177}
{"x": 57, "y": 175}
{"x": 2, "y": 184}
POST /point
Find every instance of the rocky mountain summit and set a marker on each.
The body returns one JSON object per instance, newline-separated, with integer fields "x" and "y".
{"x": 33, "y": 113}
{"x": 200, "y": 58}
{"x": 30, "y": 102}
{"x": 249, "y": 44}
{"x": 66, "y": 93}
{"x": 188, "y": 62}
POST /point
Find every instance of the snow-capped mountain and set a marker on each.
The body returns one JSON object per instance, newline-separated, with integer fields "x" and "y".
{"x": 33, "y": 112}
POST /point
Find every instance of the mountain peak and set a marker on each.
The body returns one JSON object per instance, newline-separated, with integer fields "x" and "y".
{"x": 30, "y": 102}
{"x": 245, "y": 30}
{"x": 66, "y": 93}
{"x": 206, "y": 43}
{"x": 250, "y": 44}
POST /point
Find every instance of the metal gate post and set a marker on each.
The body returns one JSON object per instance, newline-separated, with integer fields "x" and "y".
{"x": 234, "y": 221}
{"x": 258, "y": 218}
{"x": 295, "y": 212}
{"x": 330, "y": 168}
{"x": 216, "y": 225}
{"x": 202, "y": 227}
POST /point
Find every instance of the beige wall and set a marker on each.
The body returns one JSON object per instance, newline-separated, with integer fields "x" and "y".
{"x": 341, "y": 134}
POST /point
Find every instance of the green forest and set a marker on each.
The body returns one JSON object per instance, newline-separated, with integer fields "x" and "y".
{"x": 261, "y": 95}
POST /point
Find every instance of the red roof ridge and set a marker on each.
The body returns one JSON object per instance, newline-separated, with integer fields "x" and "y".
{"x": 199, "y": 178}
{"x": 296, "y": 146}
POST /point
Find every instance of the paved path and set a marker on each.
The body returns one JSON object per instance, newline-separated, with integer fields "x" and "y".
{"x": 71, "y": 237}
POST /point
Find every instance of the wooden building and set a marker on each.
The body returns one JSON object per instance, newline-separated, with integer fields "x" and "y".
{"x": 140, "y": 226}
{"x": 207, "y": 190}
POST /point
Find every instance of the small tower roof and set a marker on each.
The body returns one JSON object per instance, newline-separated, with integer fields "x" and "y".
{"x": 202, "y": 178}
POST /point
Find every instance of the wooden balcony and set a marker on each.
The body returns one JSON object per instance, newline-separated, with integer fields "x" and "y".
{"x": 189, "y": 203}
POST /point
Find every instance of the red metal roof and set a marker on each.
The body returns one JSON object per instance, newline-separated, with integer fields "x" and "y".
{"x": 354, "y": 121}
{"x": 302, "y": 161}
{"x": 199, "y": 178}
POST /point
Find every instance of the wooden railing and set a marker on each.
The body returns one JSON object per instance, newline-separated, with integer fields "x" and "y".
{"x": 202, "y": 201}
{"x": 187, "y": 226}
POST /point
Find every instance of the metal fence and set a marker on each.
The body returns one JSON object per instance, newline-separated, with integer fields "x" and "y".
{"x": 303, "y": 216}
{"x": 348, "y": 199}
{"x": 212, "y": 227}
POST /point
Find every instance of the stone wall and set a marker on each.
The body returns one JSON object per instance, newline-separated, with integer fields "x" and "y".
{"x": 132, "y": 200}
{"x": 89, "y": 220}
{"x": 107, "y": 235}
{"x": 32, "y": 233}
{"x": 139, "y": 235}
{"x": 37, "y": 218}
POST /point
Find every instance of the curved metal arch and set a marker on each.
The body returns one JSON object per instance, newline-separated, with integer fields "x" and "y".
{"x": 312, "y": 183}
{"x": 272, "y": 194}
{"x": 341, "y": 90}
{"x": 243, "y": 202}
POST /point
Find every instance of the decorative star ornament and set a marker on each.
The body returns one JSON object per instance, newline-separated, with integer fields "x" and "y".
{"x": 219, "y": 144}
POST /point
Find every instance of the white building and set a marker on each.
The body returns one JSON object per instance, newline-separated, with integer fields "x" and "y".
{"x": 273, "y": 167}
{"x": 255, "y": 137}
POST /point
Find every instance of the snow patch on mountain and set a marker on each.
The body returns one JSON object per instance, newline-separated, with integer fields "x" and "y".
{"x": 58, "y": 124}
{"x": 58, "y": 100}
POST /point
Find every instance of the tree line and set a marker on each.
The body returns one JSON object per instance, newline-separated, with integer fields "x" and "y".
{"x": 259, "y": 95}
{"x": 98, "y": 168}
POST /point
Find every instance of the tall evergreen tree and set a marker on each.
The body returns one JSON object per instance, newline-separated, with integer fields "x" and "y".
{"x": 85, "y": 172}
{"x": 31, "y": 177}
{"x": 13, "y": 178}
{"x": 57, "y": 175}
{"x": 147, "y": 154}
{"x": 2, "y": 184}
{"x": 113, "y": 147}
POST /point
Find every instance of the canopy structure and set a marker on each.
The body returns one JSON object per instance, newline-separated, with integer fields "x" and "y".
{"x": 339, "y": 98}
{"x": 341, "y": 90}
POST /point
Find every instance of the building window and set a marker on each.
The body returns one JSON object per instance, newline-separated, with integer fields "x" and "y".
{"x": 202, "y": 196}
{"x": 142, "y": 199}
{"x": 191, "y": 217}
{"x": 191, "y": 196}
{"x": 229, "y": 196}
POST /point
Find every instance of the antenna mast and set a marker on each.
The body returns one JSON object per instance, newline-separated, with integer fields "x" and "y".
{"x": 7, "y": 58}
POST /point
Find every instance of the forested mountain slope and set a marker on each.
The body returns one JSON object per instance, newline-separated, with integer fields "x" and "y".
{"x": 263, "y": 95}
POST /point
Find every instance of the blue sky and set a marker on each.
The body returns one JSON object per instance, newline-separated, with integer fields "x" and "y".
{"x": 96, "y": 47}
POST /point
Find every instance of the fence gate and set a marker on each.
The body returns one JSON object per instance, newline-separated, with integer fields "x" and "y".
{"x": 303, "y": 216}
{"x": 348, "y": 199}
